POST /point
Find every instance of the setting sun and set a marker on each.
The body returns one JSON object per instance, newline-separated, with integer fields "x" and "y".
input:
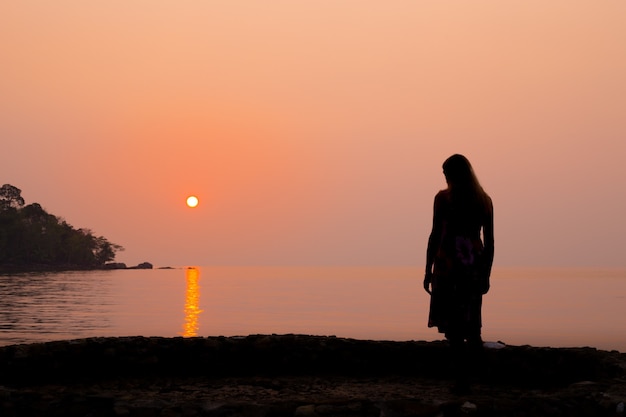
{"x": 192, "y": 201}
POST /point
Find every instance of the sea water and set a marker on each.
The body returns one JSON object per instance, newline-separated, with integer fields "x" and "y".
{"x": 555, "y": 307}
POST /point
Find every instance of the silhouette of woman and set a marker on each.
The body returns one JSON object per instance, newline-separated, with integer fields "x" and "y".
{"x": 458, "y": 262}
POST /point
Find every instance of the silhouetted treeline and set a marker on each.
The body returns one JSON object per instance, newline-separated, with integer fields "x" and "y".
{"x": 31, "y": 238}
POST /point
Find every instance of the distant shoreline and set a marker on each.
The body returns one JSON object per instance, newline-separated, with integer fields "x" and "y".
{"x": 12, "y": 269}
{"x": 18, "y": 269}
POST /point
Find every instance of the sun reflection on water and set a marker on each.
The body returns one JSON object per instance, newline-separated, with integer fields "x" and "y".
{"x": 192, "y": 303}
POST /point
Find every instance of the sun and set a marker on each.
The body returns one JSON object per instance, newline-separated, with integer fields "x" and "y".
{"x": 192, "y": 201}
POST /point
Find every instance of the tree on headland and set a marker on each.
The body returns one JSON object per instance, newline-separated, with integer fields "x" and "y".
{"x": 30, "y": 237}
{"x": 10, "y": 197}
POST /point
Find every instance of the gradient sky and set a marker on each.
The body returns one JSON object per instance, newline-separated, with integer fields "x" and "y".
{"x": 313, "y": 132}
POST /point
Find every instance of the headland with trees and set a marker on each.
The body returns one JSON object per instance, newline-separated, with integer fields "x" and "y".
{"x": 32, "y": 239}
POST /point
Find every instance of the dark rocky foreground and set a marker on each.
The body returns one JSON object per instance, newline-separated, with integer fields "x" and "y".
{"x": 297, "y": 375}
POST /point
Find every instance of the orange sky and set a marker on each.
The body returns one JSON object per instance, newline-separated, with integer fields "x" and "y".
{"x": 314, "y": 132}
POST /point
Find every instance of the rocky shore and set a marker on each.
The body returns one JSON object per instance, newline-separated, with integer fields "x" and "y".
{"x": 122, "y": 265}
{"x": 299, "y": 375}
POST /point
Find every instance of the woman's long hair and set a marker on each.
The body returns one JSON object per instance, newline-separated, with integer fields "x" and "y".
{"x": 464, "y": 187}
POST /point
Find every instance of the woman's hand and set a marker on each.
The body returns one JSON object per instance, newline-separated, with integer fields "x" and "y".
{"x": 428, "y": 279}
{"x": 484, "y": 284}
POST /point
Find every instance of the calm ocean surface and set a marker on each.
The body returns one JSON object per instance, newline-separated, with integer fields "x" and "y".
{"x": 540, "y": 307}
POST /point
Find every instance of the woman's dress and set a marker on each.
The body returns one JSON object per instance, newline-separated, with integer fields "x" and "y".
{"x": 459, "y": 279}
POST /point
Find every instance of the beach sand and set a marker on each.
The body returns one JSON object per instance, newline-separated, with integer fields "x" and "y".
{"x": 301, "y": 375}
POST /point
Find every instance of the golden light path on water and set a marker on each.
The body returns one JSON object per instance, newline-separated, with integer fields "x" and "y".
{"x": 192, "y": 303}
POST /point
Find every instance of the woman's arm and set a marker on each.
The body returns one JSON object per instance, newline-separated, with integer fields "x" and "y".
{"x": 434, "y": 240}
{"x": 489, "y": 246}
